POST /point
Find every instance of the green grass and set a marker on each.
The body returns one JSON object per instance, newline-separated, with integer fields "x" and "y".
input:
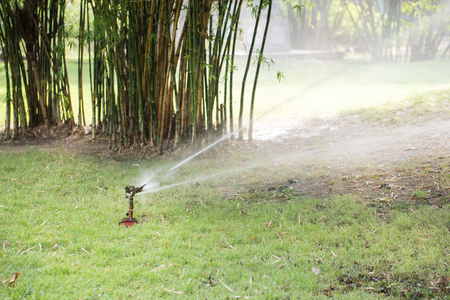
{"x": 59, "y": 228}
{"x": 328, "y": 89}
{"x": 414, "y": 108}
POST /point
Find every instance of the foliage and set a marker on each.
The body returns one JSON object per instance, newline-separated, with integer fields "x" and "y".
{"x": 162, "y": 73}
{"x": 382, "y": 28}
{"x": 429, "y": 23}
{"x": 35, "y": 31}
{"x": 309, "y": 23}
{"x": 157, "y": 69}
{"x": 154, "y": 69}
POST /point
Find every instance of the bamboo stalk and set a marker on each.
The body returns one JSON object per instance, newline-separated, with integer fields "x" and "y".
{"x": 233, "y": 48}
{"x": 4, "y": 36}
{"x": 81, "y": 114}
{"x": 258, "y": 66}
{"x": 250, "y": 53}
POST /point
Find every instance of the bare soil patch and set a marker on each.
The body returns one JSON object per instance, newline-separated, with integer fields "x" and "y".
{"x": 386, "y": 164}
{"x": 68, "y": 138}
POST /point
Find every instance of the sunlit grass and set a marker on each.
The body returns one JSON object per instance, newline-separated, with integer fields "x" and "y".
{"x": 414, "y": 108}
{"x": 328, "y": 89}
{"x": 59, "y": 228}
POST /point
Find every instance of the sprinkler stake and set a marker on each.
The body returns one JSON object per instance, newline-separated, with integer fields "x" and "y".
{"x": 130, "y": 191}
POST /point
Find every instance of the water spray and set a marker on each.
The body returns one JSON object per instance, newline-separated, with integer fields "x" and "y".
{"x": 130, "y": 192}
{"x": 302, "y": 91}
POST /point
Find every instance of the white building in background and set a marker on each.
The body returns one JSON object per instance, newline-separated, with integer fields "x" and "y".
{"x": 278, "y": 35}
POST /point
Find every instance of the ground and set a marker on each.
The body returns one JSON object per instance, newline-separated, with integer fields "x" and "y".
{"x": 365, "y": 157}
{"x": 381, "y": 160}
{"x": 391, "y": 165}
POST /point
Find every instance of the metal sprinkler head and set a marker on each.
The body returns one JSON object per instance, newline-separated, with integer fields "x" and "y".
{"x": 130, "y": 191}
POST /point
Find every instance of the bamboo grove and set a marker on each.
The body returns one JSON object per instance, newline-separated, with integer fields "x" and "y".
{"x": 162, "y": 72}
{"x": 38, "y": 90}
{"x": 155, "y": 67}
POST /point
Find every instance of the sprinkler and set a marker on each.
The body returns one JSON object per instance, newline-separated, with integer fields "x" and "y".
{"x": 130, "y": 191}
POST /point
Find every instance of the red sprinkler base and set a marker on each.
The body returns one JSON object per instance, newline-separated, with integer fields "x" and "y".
{"x": 128, "y": 222}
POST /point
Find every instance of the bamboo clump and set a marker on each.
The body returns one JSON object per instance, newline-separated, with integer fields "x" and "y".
{"x": 155, "y": 68}
{"x": 37, "y": 86}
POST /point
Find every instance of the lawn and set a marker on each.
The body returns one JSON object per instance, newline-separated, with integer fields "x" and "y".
{"x": 227, "y": 236}
{"x": 59, "y": 228}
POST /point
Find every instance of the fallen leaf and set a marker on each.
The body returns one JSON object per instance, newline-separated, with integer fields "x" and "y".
{"x": 12, "y": 282}
{"x": 199, "y": 236}
{"x": 159, "y": 268}
{"x": 175, "y": 292}
{"x": 28, "y": 250}
{"x": 332, "y": 272}
{"x": 174, "y": 265}
{"x": 228, "y": 288}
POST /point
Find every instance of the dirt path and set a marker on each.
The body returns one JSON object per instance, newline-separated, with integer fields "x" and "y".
{"x": 345, "y": 156}
{"x": 341, "y": 140}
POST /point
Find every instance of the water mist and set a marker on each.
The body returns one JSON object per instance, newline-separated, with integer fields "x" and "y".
{"x": 153, "y": 179}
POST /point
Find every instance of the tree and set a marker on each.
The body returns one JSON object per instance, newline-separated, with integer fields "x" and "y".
{"x": 383, "y": 28}
{"x": 428, "y": 22}
{"x": 34, "y": 36}
{"x": 309, "y": 22}
{"x": 378, "y": 25}
{"x": 157, "y": 69}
